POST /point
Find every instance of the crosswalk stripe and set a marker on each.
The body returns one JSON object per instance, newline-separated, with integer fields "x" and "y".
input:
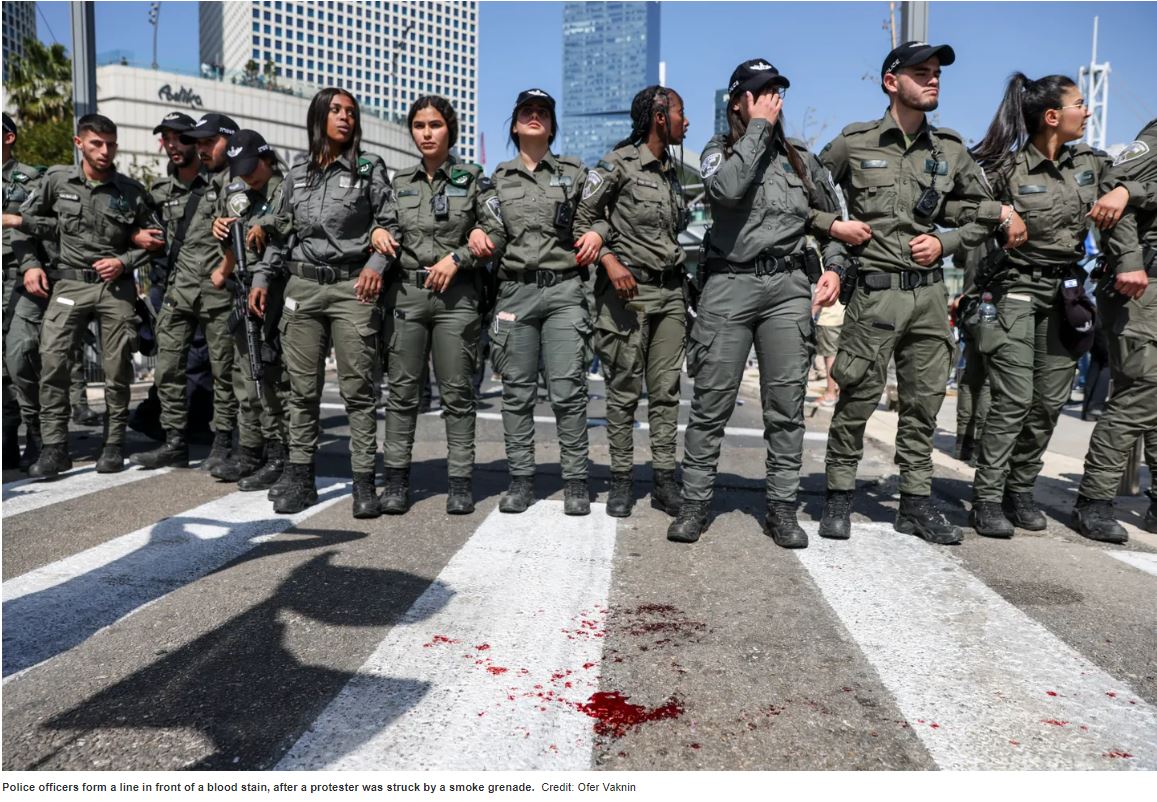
{"x": 1141, "y": 560}
{"x": 498, "y": 654}
{"x": 57, "y": 606}
{"x": 983, "y": 685}
{"x": 27, "y": 495}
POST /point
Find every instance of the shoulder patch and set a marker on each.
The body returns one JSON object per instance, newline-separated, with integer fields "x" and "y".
{"x": 485, "y": 184}
{"x": 461, "y": 176}
{"x": 1133, "y": 151}
{"x": 592, "y": 184}
{"x": 494, "y": 206}
{"x": 710, "y": 165}
{"x": 238, "y": 203}
{"x": 365, "y": 166}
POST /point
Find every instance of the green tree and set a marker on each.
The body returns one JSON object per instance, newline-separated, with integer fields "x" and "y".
{"x": 40, "y": 83}
{"x": 45, "y": 143}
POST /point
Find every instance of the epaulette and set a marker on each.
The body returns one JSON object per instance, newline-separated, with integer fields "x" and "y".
{"x": 607, "y": 166}
{"x": 485, "y": 184}
{"x": 859, "y": 128}
{"x": 948, "y": 133}
{"x": 59, "y": 168}
{"x": 571, "y": 161}
{"x": 237, "y": 186}
{"x": 717, "y": 141}
{"x": 366, "y": 163}
{"x": 461, "y": 175}
{"x": 300, "y": 160}
{"x": 798, "y": 144}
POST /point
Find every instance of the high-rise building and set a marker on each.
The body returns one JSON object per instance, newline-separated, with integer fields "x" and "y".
{"x": 721, "y": 126}
{"x": 19, "y": 24}
{"x": 609, "y": 52}
{"x": 387, "y": 54}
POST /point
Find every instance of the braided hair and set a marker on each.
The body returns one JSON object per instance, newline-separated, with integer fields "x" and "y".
{"x": 643, "y": 107}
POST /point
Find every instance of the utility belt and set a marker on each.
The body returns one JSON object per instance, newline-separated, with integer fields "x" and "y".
{"x": 88, "y": 276}
{"x": 903, "y": 280}
{"x": 656, "y": 278}
{"x": 325, "y": 274}
{"x": 763, "y": 265}
{"x": 417, "y": 278}
{"x": 1047, "y": 271}
{"x": 543, "y": 278}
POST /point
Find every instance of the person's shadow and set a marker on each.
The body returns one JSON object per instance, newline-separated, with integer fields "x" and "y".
{"x": 241, "y": 688}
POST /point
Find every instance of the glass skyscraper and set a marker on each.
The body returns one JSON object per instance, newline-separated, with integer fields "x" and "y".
{"x": 609, "y": 52}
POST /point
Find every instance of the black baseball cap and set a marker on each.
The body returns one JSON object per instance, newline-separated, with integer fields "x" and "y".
{"x": 9, "y": 124}
{"x": 529, "y": 95}
{"x": 245, "y": 150}
{"x": 211, "y": 125}
{"x": 912, "y": 53}
{"x": 754, "y": 74}
{"x": 175, "y": 121}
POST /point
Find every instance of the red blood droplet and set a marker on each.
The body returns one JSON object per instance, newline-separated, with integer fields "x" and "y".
{"x": 614, "y": 714}
{"x": 496, "y": 670}
{"x": 588, "y": 665}
{"x": 1052, "y": 693}
{"x": 1014, "y": 743}
{"x": 1111, "y": 694}
{"x": 1117, "y": 753}
{"x": 482, "y": 647}
{"x": 1054, "y": 722}
{"x": 694, "y": 746}
{"x": 934, "y": 725}
{"x": 438, "y": 639}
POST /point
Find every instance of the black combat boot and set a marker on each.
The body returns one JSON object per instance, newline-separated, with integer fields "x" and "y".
{"x": 244, "y": 462}
{"x": 1095, "y": 520}
{"x": 782, "y": 525}
{"x": 460, "y": 498}
{"x": 1021, "y": 509}
{"x": 84, "y": 415}
{"x": 1150, "y": 522}
{"x": 690, "y": 523}
{"x": 11, "y": 449}
{"x": 283, "y": 483}
{"x": 173, "y": 454}
{"x": 666, "y": 495}
{"x": 964, "y": 448}
{"x": 621, "y": 498}
{"x": 520, "y": 495}
{"x": 837, "y": 521}
{"x": 919, "y": 516}
{"x": 300, "y": 490}
{"x": 53, "y": 461}
{"x": 31, "y": 447}
{"x": 366, "y": 504}
{"x": 576, "y": 497}
{"x": 396, "y": 491}
{"x": 269, "y": 472}
{"x": 112, "y": 459}
{"x": 987, "y": 518}
{"x": 219, "y": 452}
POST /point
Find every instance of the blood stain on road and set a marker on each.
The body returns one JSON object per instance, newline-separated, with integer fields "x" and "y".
{"x": 438, "y": 639}
{"x": 1117, "y": 754}
{"x": 1054, "y": 722}
{"x": 614, "y": 714}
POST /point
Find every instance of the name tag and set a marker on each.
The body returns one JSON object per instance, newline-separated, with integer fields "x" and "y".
{"x": 173, "y": 202}
{"x": 643, "y": 182}
{"x": 873, "y": 164}
{"x": 69, "y": 196}
{"x": 349, "y": 182}
{"x": 452, "y": 191}
{"x": 1085, "y": 178}
{"x": 933, "y": 167}
{"x": 1031, "y": 189}
{"x": 561, "y": 181}
{"x": 300, "y": 184}
{"x": 406, "y": 193}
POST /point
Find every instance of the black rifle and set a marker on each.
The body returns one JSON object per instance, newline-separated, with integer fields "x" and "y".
{"x": 161, "y": 264}
{"x": 241, "y": 304}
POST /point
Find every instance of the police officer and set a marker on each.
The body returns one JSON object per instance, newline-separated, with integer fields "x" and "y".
{"x": 634, "y": 200}
{"x": 897, "y": 173}
{"x": 1030, "y": 363}
{"x": 191, "y": 299}
{"x": 332, "y": 212}
{"x": 22, "y": 315}
{"x": 764, "y": 191}
{"x": 432, "y": 303}
{"x": 92, "y": 210}
{"x": 973, "y": 396}
{"x": 542, "y": 307}
{"x": 253, "y": 196}
{"x": 1127, "y": 299}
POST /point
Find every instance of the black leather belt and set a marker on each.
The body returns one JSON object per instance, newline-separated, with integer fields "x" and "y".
{"x": 71, "y": 274}
{"x": 324, "y": 274}
{"x": 658, "y": 278}
{"x": 542, "y": 278}
{"x": 902, "y": 280}
{"x": 418, "y": 277}
{"x": 760, "y": 266}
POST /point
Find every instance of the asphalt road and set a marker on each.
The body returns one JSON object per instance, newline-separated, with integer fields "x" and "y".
{"x": 161, "y": 620}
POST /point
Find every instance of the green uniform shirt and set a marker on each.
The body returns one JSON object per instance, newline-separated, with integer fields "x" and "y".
{"x": 883, "y": 174}
{"x": 255, "y": 207}
{"x": 759, "y": 205}
{"x": 522, "y": 208}
{"x": 1135, "y": 168}
{"x": 424, "y": 238}
{"x": 634, "y": 202}
{"x": 20, "y": 182}
{"x": 91, "y": 222}
{"x": 1053, "y": 199}
{"x": 199, "y": 253}
{"x": 329, "y": 219}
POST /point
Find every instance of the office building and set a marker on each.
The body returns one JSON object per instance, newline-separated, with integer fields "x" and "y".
{"x": 19, "y": 24}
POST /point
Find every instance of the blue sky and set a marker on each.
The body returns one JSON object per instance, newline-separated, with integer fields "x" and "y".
{"x": 830, "y": 51}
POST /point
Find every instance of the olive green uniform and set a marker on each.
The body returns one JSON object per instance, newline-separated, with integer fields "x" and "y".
{"x": 1030, "y": 369}
{"x": 541, "y": 307}
{"x": 419, "y": 320}
{"x": 22, "y": 313}
{"x": 973, "y": 395}
{"x": 261, "y": 414}
{"x": 191, "y": 299}
{"x": 762, "y": 212}
{"x": 883, "y": 173}
{"x": 633, "y": 201}
{"x": 1131, "y": 325}
{"x": 92, "y": 221}
{"x": 324, "y": 224}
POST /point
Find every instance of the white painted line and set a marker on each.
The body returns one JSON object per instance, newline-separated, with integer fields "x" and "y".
{"x": 983, "y": 685}
{"x": 32, "y": 494}
{"x": 57, "y": 606}
{"x": 1138, "y": 559}
{"x": 484, "y": 658}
